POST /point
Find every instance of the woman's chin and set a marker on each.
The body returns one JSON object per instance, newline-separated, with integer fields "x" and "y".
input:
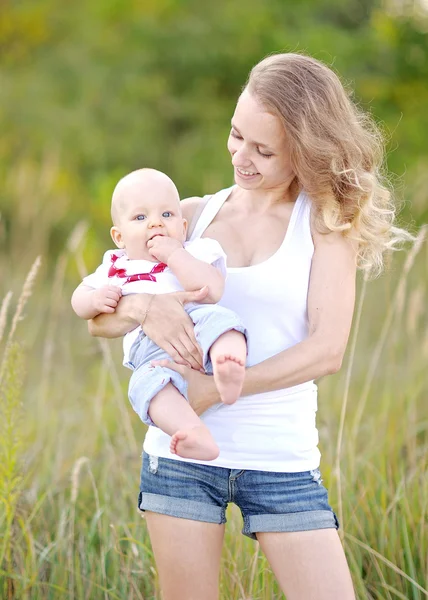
{"x": 247, "y": 183}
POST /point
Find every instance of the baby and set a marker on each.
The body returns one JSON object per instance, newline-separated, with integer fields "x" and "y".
{"x": 154, "y": 258}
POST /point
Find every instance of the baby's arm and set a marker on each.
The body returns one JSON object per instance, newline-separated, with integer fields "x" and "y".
{"x": 88, "y": 302}
{"x": 191, "y": 272}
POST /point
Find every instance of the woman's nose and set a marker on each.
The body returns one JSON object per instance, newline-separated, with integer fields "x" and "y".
{"x": 240, "y": 157}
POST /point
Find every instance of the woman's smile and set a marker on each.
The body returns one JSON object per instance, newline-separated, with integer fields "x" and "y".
{"x": 246, "y": 174}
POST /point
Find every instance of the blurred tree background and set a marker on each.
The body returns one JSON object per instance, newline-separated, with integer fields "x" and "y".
{"x": 92, "y": 90}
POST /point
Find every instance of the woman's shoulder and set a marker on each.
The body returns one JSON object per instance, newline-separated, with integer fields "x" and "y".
{"x": 322, "y": 237}
{"x": 192, "y": 209}
{"x": 193, "y": 205}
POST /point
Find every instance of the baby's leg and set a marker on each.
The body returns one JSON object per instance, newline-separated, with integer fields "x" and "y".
{"x": 228, "y": 355}
{"x": 171, "y": 412}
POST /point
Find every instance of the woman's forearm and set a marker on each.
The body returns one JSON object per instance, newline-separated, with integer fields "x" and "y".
{"x": 128, "y": 315}
{"x": 308, "y": 360}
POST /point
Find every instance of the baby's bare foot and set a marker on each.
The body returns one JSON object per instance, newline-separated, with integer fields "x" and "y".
{"x": 195, "y": 443}
{"x": 229, "y": 373}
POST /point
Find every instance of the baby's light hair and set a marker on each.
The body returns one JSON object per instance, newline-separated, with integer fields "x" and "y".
{"x": 138, "y": 176}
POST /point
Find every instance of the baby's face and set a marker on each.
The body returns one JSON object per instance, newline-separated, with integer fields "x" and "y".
{"x": 147, "y": 209}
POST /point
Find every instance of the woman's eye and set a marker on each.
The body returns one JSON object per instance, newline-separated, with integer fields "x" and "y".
{"x": 263, "y": 154}
{"x": 235, "y": 135}
{"x": 140, "y": 217}
{"x": 167, "y": 214}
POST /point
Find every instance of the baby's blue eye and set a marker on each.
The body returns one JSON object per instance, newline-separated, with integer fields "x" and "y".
{"x": 140, "y": 217}
{"x": 167, "y": 214}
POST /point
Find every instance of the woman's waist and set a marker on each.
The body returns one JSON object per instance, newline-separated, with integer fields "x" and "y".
{"x": 269, "y": 441}
{"x": 260, "y": 418}
{"x": 288, "y": 415}
{"x": 268, "y": 406}
{"x": 306, "y": 391}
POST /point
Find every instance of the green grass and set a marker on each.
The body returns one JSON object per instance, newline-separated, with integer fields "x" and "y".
{"x": 69, "y": 523}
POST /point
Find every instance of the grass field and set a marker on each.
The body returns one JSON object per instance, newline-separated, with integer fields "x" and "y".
{"x": 70, "y": 447}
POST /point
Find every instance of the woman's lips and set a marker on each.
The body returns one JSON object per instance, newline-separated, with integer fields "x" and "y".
{"x": 246, "y": 174}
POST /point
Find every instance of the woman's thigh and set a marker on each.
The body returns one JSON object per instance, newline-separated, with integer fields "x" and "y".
{"x": 290, "y": 516}
{"x": 187, "y": 555}
{"x": 309, "y": 564}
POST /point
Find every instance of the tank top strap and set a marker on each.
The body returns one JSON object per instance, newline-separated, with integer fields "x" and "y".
{"x": 299, "y": 234}
{"x": 298, "y": 216}
{"x": 209, "y": 212}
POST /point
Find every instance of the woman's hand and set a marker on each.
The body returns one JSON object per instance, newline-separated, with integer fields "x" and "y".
{"x": 202, "y": 391}
{"x": 169, "y": 326}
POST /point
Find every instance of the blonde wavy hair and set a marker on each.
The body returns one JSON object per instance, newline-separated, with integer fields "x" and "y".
{"x": 337, "y": 152}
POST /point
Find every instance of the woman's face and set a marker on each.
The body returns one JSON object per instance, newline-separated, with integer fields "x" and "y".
{"x": 258, "y": 146}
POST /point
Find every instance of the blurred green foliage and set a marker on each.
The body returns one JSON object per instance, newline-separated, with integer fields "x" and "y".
{"x": 92, "y": 90}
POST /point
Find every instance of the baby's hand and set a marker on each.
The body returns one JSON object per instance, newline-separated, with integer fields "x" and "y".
{"x": 106, "y": 298}
{"x": 161, "y": 247}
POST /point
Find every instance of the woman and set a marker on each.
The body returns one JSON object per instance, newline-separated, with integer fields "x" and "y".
{"x": 306, "y": 210}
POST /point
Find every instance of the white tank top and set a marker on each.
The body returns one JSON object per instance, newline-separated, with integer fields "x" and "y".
{"x": 272, "y": 431}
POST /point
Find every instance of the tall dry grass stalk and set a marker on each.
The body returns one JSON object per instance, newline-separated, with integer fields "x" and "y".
{"x": 57, "y": 302}
{"x": 390, "y": 564}
{"x": 3, "y": 313}
{"x": 11, "y": 381}
{"x": 22, "y": 301}
{"x": 75, "y": 478}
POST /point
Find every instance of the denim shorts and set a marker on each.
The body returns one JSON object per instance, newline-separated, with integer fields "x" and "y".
{"x": 268, "y": 501}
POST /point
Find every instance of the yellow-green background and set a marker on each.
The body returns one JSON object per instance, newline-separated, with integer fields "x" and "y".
{"x": 92, "y": 90}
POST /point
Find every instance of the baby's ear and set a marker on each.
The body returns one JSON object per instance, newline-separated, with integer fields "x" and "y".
{"x": 116, "y": 236}
{"x": 185, "y": 228}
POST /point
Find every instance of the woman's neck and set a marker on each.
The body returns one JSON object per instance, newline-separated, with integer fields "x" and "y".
{"x": 260, "y": 201}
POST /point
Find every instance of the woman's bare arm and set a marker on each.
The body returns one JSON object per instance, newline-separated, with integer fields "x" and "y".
{"x": 331, "y": 300}
{"x": 166, "y": 323}
{"x": 127, "y": 316}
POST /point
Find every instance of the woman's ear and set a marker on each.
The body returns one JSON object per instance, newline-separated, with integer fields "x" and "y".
{"x": 116, "y": 236}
